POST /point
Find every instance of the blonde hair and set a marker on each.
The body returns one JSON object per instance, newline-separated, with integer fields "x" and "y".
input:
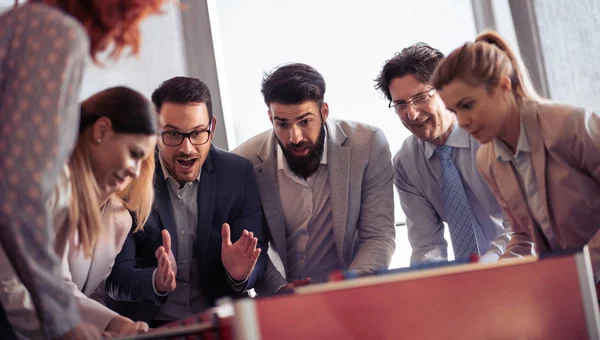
{"x": 84, "y": 209}
{"x": 483, "y": 63}
{"x": 138, "y": 196}
{"x": 129, "y": 112}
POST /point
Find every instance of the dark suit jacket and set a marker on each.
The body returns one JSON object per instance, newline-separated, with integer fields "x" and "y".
{"x": 228, "y": 192}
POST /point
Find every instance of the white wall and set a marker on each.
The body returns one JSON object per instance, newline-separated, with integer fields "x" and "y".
{"x": 347, "y": 44}
{"x": 161, "y": 57}
{"x": 5, "y": 5}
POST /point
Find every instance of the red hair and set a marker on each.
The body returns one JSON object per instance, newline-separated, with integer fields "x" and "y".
{"x": 110, "y": 22}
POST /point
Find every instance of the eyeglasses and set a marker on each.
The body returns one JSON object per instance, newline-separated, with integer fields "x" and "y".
{"x": 418, "y": 100}
{"x": 175, "y": 138}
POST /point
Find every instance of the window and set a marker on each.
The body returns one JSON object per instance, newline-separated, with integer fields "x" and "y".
{"x": 347, "y": 42}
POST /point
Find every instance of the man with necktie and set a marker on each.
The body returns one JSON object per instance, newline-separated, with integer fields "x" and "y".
{"x": 435, "y": 170}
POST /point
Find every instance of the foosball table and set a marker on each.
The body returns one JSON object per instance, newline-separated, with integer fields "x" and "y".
{"x": 527, "y": 298}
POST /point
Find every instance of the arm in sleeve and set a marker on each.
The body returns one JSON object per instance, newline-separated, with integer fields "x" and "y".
{"x": 500, "y": 244}
{"x": 44, "y": 98}
{"x": 424, "y": 225}
{"x": 376, "y": 227}
{"x": 129, "y": 283}
{"x": 91, "y": 311}
{"x": 238, "y": 286}
{"x": 587, "y": 151}
{"x": 272, "y": 281}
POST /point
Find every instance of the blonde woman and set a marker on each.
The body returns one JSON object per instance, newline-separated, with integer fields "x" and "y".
{"x": 109, "y": 174}
{"x": 541, "y": 159}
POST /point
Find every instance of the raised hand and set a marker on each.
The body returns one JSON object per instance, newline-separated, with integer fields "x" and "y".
{"x": 239, "y": 258}
{"x": 166, "y": 274}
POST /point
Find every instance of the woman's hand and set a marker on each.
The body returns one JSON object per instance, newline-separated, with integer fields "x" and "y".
{"x": 124, "y": 326}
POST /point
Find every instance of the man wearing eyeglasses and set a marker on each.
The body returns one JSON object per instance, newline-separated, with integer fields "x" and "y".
{"x": 435, "y": 170}
{"x": 205, "y": 199}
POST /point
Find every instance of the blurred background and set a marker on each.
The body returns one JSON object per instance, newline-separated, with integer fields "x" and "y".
{"x": 230, "y": 44}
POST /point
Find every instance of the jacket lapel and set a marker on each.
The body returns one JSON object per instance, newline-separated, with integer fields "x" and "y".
{"x": 117, "y": 224}
{"x": 266, "y": 176}
{"x": 206, "y": 205}
{"x": 164, "y": 208}
{"x": 509, "y": 187}
{"x": 538, "y": 157}
{"x": 338, "y": 163}
{"x": 79, "y": 264}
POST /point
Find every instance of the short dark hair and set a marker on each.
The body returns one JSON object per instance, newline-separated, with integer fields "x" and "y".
{"x": 182, "y": 90}
{"x": 128, "y": 110}
{"x": 293, "y": 84}
{"x": 419, "y": 60}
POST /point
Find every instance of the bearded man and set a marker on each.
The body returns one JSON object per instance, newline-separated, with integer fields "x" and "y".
{"x": 325, "y": 185}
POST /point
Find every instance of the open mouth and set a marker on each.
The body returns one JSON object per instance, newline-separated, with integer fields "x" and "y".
{"x": 299, "y": 151}
{"x": 187, "y": 163}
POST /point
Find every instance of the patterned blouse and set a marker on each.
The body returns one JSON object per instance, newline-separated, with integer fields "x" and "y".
{"x": 42, "y": 57}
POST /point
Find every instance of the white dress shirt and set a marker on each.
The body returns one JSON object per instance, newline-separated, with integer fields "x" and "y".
{"x": 309, "y": 225}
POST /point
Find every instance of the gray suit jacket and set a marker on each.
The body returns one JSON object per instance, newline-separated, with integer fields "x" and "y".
{"x": 363, "y": 213}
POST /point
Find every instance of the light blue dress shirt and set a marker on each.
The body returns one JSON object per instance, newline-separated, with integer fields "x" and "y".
{"x": 417, "y": 179}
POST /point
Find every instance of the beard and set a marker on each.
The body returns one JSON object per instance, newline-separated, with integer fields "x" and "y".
{"x": 307, "y": 165}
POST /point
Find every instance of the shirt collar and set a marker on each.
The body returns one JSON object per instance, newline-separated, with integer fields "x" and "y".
{"x": 166, "y": 172}
{"x": 458, "y": 138}
{"x": 503, "y": 153}
{"x": 282, "y": 164}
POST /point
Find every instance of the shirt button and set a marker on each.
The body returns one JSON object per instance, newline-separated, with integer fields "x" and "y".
{"x": 183, "y": 231}
{"x": 185, "y": 283}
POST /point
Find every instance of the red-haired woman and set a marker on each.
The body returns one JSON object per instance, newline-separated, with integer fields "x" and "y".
{"x": 43, "y": 49}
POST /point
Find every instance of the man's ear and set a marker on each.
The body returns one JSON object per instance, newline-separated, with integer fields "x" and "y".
{"x": 213, "y": 127}
{"x": 324, "y": 111}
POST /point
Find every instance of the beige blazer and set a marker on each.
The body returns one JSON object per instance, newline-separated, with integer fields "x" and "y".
{"x": 362, "y": 199}
{"x": 565, "y": 143}
{"x": 88, "y": 274}
{"x": 81, "y": 275}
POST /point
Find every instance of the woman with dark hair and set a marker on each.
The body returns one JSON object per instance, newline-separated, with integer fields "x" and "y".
{"x": 43, "y": 48}
{"x": 541, "y": 159}
{"x": 109, "y": 174}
